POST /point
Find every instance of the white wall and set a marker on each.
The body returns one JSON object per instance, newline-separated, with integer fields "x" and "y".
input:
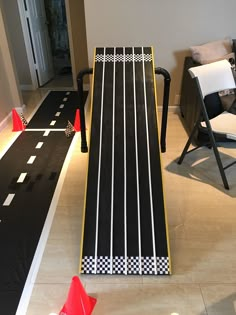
{"x": 170, "y": 26}
{"x": 13, "y": 23}
{"x": 9, "y": 88}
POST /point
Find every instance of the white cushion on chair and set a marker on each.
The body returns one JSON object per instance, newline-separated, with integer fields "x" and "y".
{"x": 224, "y": 123}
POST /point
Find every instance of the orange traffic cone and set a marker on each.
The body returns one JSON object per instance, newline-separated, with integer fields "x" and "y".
{"x": 78, "y": 302}
{"x": 77, "y": 121}
{"x": 17, "y": 122}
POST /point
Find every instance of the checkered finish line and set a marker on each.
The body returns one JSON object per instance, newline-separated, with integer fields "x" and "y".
{"x": 124, "y": 225}
{"x": 128, "y": 266}
{"x": 123, "y": 58}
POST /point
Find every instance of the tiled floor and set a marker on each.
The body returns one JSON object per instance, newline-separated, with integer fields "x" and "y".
{"x": 202, "y": 229}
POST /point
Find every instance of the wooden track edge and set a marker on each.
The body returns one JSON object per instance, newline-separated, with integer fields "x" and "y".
{"x": 157, "y": 120}
{"x": 86, "y": 183}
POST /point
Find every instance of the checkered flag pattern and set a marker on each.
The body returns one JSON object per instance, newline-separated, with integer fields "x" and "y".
{"x": 123, "y": 58}
{"x": 69, "y": 131}
{"x": 24, "y": 121}
{"x": 88, "y": 263}
{"x": 120, "y": 266}
{"x": 163, "y": 265}
{"x": 103, "y": 265}
{"x": 148, "y": 265}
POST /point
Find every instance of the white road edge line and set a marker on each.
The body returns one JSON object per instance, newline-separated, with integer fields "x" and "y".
{"x": 45, "y": 129}
{"x": 10, "y": 144}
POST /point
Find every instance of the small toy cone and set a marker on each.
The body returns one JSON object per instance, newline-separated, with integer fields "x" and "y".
{"x": 78, "y": 302}
{"x": 17, "y": 122}
{"x": 77, "y": 121}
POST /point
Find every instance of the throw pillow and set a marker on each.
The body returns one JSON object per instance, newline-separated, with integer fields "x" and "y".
{"x": 211, "y": 51}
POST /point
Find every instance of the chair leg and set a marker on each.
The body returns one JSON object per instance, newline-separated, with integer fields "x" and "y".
{"x": 185, "y": 150}
{"x": 204, "y": 114}
{"x": 218, "y": 159}
{"x": 216, "y": 152}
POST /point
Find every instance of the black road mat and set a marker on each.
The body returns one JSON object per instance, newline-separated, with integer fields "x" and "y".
{"x": 56, "y": 110}
{"x": 29, "y": 173}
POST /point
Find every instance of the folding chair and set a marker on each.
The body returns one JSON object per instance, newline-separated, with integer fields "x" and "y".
{"x": 212, "y": 78}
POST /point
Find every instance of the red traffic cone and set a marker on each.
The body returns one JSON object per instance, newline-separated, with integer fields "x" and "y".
{"x": 78, "y": 302}
{"x": 17, "y": 122}
{"x": 77, "y": 121}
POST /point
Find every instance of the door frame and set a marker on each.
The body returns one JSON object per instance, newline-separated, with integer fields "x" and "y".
{"x": 29, "y": 49}
{"x": 28, "y": 46}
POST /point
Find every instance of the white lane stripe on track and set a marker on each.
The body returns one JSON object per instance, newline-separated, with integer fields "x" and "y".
{"x": 99, "y": 166}
{"x": 137, "y": 164}
{"x": 8, "y": 200}
{"x": 113, "y": 161}
{"x": 61, "y": 106}
{"x": 125, "y": 170}
{"x": 53, "y": 122}
{"x": 65, "y": 99}
{"x": 31, "y": 159}
{"x": 21, "y": 178}
{"x": 149, "y": 163}
{"x": 58, "y": 114}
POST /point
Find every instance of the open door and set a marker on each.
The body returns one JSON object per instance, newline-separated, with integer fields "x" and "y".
{"x": 38, "y": 31}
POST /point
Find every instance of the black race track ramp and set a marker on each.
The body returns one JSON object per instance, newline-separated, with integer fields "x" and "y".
{"x": 125, "y": 226}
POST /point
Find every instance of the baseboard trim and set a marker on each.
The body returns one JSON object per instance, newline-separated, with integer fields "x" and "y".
{"x": 5, "y": 122}
{"x": 172, "y": 108}
{"x": 27, "y": 87}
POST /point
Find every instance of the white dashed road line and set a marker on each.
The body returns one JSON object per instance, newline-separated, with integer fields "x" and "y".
{"x": 21, "y": 177}
{"x": 52, "y": 123}
{"x": 8, "y": 200}
{"x": 31, "y": 159}
{"x": 46, "y": 133}
{"x": 39, "y": 145}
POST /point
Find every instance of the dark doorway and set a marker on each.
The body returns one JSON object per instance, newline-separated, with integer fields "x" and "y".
{"x": 58, "y": 33}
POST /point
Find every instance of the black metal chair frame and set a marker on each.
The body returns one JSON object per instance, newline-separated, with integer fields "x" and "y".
{"x": 212, "y": 142}
{"x": 158, "y": 71}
